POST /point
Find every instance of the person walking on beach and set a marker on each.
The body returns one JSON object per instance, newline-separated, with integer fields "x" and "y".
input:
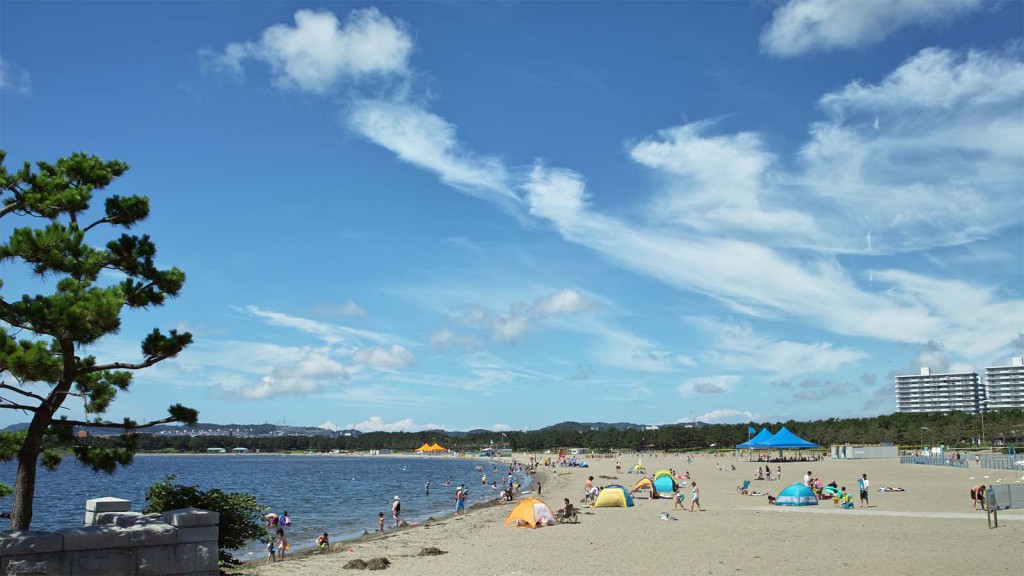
{"x": 863, "y": 484}
{"x": 460, "y": 501}
{"x": 695, "y": 498}
{"x": 679, "y": 500}
{"x": 396, "y": 510}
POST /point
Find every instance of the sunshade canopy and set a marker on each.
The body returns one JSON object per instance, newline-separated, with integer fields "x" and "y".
{"x": 763, "y": 436}
{"x": 786, "y": 439}
{"x": 797, "y": 495}
{"x": 530, "y": 513}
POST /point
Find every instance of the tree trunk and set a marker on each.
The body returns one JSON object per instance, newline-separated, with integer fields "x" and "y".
{"x": 25, "y": 484}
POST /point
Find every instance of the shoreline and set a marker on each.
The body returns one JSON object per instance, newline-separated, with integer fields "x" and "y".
{"x": 310, "y": 549}
{"x": 899, "y": 532}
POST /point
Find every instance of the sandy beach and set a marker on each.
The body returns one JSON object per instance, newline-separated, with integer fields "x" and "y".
{"x": 928, "y": 529}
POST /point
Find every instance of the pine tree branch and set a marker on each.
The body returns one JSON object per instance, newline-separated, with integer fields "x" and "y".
{"x": 12, "y": 406}
{"x": 95, "y": 224}
{"x": 113, "y": 424}
{"x": 125, "y": 365}
{"x": 22, "y": 392}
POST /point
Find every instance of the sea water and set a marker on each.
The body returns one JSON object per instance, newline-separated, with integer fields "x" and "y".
{"x": 340, "y": 495}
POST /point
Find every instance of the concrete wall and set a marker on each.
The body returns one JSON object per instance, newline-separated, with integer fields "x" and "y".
{"x": 118, "y": 542}
{"x": 860, "y": 451}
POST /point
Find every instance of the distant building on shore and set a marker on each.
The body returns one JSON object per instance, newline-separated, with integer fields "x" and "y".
{"x": 927, "y": 392}
{"x": 1005, "y": 385}
{"x": 1003, "y": 388}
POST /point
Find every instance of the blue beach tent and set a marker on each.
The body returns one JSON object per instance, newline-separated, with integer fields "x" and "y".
{"x": 763, "y": 436}
{"x": 665, "y": 484}
{"x": 797, "y": 495}
{"x": 786, "y": 439}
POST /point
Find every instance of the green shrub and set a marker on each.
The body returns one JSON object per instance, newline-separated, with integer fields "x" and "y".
{"x": 241, "y": 517}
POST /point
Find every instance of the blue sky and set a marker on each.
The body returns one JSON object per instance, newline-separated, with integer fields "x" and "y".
{"x": 399, "y": 215}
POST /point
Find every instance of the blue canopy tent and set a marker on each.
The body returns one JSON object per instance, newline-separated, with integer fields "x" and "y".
{"x": 797, "y": 495}
{"x": 763, "y": 436}
{"x": 786, "y": 439}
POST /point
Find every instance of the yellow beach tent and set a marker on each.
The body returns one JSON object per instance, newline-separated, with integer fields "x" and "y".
{"x": 643, "y": 484}
{"x": 424, "y": 448}
{"x": 661, "y": 473}
{"x": 436, "y": 448}
{"x": 530, "y": 513}
{"x": 613, "y": 495}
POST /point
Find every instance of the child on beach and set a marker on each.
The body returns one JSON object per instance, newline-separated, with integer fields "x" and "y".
{"x": 272, "y": 550}
{"x": 323, "y": 543}
{"x": 282, "y": 544}
{"x": 380, "y": 522}
{"x": 679, "y": 500}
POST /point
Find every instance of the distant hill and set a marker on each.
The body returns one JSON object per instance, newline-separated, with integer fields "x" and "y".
{"x": 584, "y": 426}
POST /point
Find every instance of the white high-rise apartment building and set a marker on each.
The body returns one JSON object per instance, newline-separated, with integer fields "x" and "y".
{"x": 927, "y": 392}
{"x": 1005, "y": 385}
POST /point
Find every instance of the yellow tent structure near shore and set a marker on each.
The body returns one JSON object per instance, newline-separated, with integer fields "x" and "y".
{"x": 425, "y": 448}
{"x": 530, "y": 513}
{"x": 437, "y": 448}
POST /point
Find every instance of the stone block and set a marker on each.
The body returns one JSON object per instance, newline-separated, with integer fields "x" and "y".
{"x": 188, "y": 517}
{"x": 108, "y": 504}
{"x": 153, "y": 534}
{"x": 162, "y": 560}
{"x": 51, "y": 563}
{"x": 30, "y": 542}
{"x": 200, "y": 534}
{"x": 109, "y": 562}
{"x": 94, "y": 537}
{"x": 207, "y": 556}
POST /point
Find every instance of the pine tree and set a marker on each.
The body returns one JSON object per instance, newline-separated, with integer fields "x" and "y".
{"x": 42, "y": 336}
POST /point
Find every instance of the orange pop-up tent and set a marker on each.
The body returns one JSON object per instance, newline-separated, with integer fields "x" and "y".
{"x": 425, "y": 448}
{"x": 437, "y": 448}
{"x": 530, "y": 512}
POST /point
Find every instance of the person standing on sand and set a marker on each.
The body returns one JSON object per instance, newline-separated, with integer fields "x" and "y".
{"x": 679, "y": 500}
{"x": 538, "y": 489}
{"x": 863, "y": 484}
{"x": 695, "y": 498}
{"x": 380, "y": 522}
{"x": 396, "y": 510}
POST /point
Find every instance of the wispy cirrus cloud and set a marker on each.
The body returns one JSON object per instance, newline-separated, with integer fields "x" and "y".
{"x": 801, "y": 26}
{"x": 329, "y": 333}
{"x": 428, "y": 141}
{"x": 319, "y": 52}
{"x": 14, "y": 79}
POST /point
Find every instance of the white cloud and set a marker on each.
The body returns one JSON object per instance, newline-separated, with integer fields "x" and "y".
{"x": 329, "y": 333}
{"x": 444, "y": 339}
{"x": 512, "y": 326}
{"x": 318, "y": 52}
{"x": 348, "y": 310}
{"x": 715, "y": 181}
{"x": 802, "y": 26}
{"x": 329, "y": 426}
{"x": 727, "y": 415}
{"x": 565, "y": 301}
{"x": 14, "y": 78}
{"x": 500, "y": 428}
{"x": 377, "y": 424}
{"x": 310, "y": 375}
{"x": 384, "y": 358}
{"x": 735, "y": 345}
{"x": 714, "y": 384}
{"x": 428, "y": 141}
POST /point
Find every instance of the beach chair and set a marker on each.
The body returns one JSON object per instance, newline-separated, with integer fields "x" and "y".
{"x": 567, "y": 516}
{"x": 741, "y": 489}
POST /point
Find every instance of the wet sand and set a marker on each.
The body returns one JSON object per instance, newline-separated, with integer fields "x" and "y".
{"x": 929, "y": 529}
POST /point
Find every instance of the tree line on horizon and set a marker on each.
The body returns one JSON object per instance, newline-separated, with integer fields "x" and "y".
{"x": 956, "y": 430}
